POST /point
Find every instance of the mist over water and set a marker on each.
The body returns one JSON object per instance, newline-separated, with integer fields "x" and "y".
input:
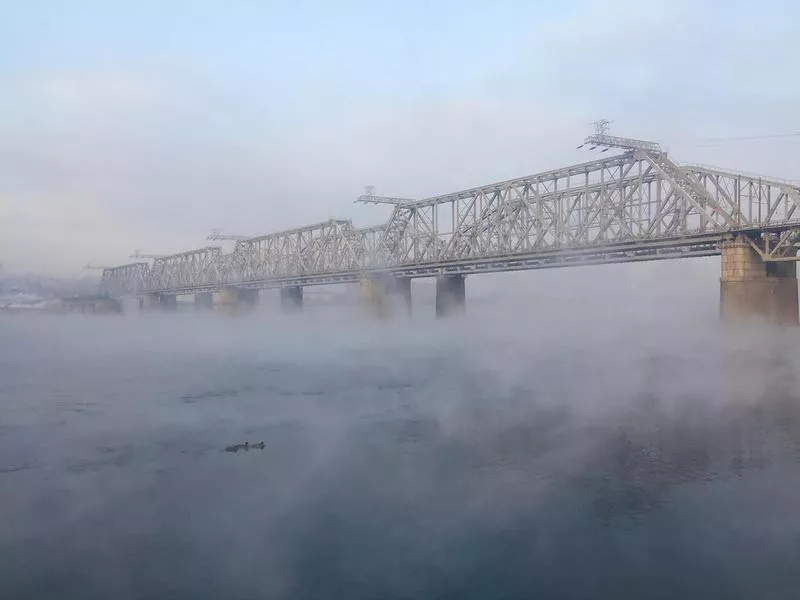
{"x": 591, "y": 441}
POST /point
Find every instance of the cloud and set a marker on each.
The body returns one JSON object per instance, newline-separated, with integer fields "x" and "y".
{"x": 71, "y": 148}
{"x": 161, "y": 167}
{"x": 672, "y": 70}
{"x": 165, "y": 154}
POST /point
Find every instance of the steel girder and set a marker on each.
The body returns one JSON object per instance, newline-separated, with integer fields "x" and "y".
{"x": 328, "y": 247}
{"x": 638, "y": 205}
{"x": 637, "y": 196}
{"x": 185, "y": 269}
{"x": 125, "y": 280}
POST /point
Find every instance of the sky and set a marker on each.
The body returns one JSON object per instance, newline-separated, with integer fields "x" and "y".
{"x": 144, "y": 125}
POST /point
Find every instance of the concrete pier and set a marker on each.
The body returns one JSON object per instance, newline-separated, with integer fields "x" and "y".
{"x": 158, "y": 302}
{"x": 238, "y": 300}
{"x": 450, "y": 295}
{"x": 90, "y": 305}
{"x": 292, "y": 298}
{"x": 384, "y": 295}
{"x": 751, "y": 288}
{"x": 204, "y": 301}
{"x": 149, "y": 302}
{"x": 249, "y": 297}
{"x": 168, "y": 302}
{"x": 372, "y": 294}
{"x": 402, "y": 289}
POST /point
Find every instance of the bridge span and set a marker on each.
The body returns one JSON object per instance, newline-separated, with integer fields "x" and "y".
{"x": 635, "y": 205}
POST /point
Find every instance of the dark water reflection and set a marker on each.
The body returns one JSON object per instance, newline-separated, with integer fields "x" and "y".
{"x": 404, "y": 462}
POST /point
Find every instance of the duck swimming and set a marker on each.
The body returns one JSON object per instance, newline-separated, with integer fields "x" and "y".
{"x": 245, "y": 446}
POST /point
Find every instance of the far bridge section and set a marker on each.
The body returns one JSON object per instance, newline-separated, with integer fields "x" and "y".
{"x": 638, "y": 205}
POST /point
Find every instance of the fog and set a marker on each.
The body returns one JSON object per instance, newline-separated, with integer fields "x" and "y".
{"x": 600, "y": 435}
{"x": 145, "y": 127}
{"x": 589, "y": 432}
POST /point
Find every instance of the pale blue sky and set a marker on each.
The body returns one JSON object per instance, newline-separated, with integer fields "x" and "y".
{"x": 149, "y": 123}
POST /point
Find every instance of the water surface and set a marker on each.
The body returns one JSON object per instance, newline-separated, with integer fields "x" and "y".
{"x": 587, "y": 456}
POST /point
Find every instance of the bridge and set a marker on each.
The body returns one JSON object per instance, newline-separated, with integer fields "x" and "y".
{"x": 635, "y": 204}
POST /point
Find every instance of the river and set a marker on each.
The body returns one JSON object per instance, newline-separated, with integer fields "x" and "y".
{"x": 565, "y": 451}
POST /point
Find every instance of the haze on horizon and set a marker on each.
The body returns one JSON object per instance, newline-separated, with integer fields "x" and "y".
{"x": 144, "y": 126}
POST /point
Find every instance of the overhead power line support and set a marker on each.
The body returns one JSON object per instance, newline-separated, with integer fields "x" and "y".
{"x": 369, "y": 197}
{"x": 217, "y": 236}
{"x": 137, "y": 254}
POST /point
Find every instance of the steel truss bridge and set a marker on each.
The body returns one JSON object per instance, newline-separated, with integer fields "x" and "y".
{"x": 634, "y": 206}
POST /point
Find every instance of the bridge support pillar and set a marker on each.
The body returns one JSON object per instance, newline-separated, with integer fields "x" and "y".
{"x": 204, "y": 301}
{"x": 229, "y": 300}
{"x": 237, "y": 300}
{"x": 751, "y": 288}
{"x": 402, "y": 288}
{"x": 292, "y": 298}
{"x": 168, "y": 302}
{"x": 130, "y": 304}
{"x": 450, "y": 295}
{"x": 249, "y": 297}
{"x": 149, "y": 302}
{"x": 384, "y": 295}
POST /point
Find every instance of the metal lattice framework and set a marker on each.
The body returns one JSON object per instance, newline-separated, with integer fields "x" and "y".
{"x": 638, "y": 205}
{"x": 185, "y": 269}
{"x": 125, "y": 280}
{"x": 320, "y": 248}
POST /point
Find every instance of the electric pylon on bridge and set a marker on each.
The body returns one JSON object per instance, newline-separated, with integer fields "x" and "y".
{"x": 601, "y": 138}
{"x": 216, "y": 236}
{"x": 369, "y": 197}
{"x": 137, "y": 254}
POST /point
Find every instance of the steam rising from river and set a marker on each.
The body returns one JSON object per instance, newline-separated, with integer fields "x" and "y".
{"x": 590, "y": 440}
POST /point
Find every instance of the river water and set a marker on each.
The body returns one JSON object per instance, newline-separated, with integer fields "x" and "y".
{"x": 559, "y": 450}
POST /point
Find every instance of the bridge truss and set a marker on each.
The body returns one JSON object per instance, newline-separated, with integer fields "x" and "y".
{"x": 637, "y": 205}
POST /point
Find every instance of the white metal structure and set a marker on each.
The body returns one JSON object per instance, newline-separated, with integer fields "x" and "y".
{"x": 637, "y": 205}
